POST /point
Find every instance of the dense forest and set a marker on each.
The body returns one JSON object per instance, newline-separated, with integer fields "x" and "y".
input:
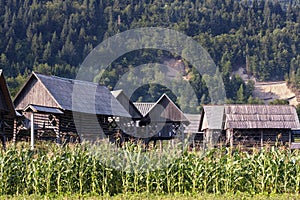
{"x": 54, "y": 37}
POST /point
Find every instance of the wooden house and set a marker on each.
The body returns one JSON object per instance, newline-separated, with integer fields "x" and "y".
{"x": 248, "y": 125}
{"x": 66, "y": 109}
{"x": 7, "y": 112}
{"x": 162, "y": 120}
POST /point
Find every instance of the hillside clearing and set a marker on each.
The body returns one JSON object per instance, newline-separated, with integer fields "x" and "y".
{"x": 269, "y": 91}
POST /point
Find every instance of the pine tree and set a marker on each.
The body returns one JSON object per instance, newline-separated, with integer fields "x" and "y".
{"x": 240, "y": 94}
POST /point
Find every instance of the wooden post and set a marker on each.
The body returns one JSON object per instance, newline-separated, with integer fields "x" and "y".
{"x": 147, "y": 131}
{"x": 181, "y": 131}
{"x": 231, "y": 137}
{"x": 160, "y": 145}
{"x": 193, "y": 136}
{"x": 172, "y": 143}
{"x": 204, "y": 139}
{"x": 32, "y": 132}
{"x": 2, "y": 133}
{"x": 135, "y": 128}
{"x": 57, "y": 133}
{"x": 261, "y": 139}
{"x": 290, "y": 138}
{"x": 15, "y": 132}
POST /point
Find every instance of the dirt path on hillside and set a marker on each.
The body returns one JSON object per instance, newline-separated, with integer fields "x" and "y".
{"x": 269, "y": 91}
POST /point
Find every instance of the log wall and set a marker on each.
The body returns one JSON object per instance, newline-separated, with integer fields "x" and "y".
{"x": 250, "y": 138}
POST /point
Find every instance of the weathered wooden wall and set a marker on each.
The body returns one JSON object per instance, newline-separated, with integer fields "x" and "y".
{"x": 45, "y": 129}
{"x": 89, "y": 126}
{"x": 34, "y": 93}
{"x": 8, "y": 131}
{"x": 250, "y": 138}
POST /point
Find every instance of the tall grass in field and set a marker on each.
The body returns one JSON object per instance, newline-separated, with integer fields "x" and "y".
{"x": 105, "y": 169}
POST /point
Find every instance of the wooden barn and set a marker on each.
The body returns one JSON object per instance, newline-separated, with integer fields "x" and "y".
{"x": 7, "y": 112}
{"x": 129, "y": 126}
{"x": 248, "y": 125}
{"x": 162, "y": 120}
{"x": 50, "y": 103}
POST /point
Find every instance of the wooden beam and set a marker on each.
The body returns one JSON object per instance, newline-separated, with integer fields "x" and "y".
{"x": 261, "y": 139}
{"x": 160, "y": 145}
{"x": 32, "y": 132}
{"x": 182, "y": 138}
{"x": 231, "y": 137}
{"x": 290, "y": 138}
{"x": 15, "y": 132}
{"x": 204, "y": 140}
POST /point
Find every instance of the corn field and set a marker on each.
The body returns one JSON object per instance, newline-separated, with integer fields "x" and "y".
{"x": 105, "y": 170}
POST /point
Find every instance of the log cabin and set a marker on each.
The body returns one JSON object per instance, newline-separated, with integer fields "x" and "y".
{"x": 66, "y": 110}
{"x": 248, "y": 125}
{"x": 7, "y": 112}
{"x": 162, "y": 120}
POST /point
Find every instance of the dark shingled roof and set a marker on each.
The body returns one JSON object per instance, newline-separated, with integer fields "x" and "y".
{"x": 127, "y": 104}
{"x": 6, "y": 104}
{"x": 89, "y": 97}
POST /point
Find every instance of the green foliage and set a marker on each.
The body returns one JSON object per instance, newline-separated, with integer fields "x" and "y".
{"x": 85, "y": 169}
{"x": 240, "y": 94}
{"x": 279, "y": 102}
{"x": 256, "y": 100}
{"x": 16, "y": 83}
{"x": 54, "y": 37}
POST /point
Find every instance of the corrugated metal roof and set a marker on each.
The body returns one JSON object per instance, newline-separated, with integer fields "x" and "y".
{"x": 44, "y": 109}
{"x": 89, "y": 98}
{"x": 194, "y": 120}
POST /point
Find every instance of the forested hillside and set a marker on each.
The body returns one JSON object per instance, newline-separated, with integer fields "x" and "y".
{"x": 54, "y": 36}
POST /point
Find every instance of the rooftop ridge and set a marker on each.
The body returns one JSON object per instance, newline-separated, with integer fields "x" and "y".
{"x": 74, "y": 81}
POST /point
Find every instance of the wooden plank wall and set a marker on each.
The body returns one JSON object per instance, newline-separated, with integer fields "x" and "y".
{"x": 34, "y": 93}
